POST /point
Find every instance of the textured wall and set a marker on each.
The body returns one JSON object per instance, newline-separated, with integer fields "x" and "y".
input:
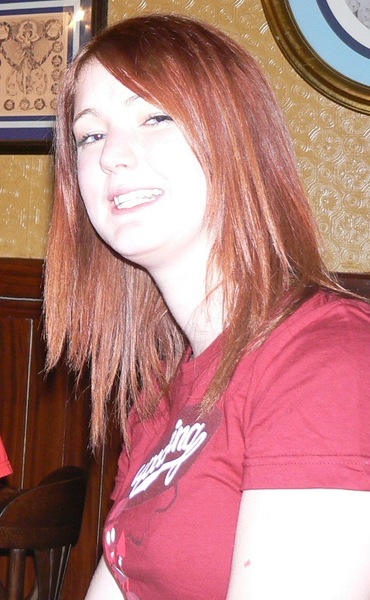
{"x": 332, "y": 145}
{"x": 25, "y": 204}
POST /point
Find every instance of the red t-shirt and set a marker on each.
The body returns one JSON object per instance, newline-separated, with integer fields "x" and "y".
{"x": 295, "y": 415}
{"x": 5, "y": 468}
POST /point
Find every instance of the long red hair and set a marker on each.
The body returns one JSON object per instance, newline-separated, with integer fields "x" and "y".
{"x": 108, "y": 313}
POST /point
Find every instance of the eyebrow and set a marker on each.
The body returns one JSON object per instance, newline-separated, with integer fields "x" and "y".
{"x": 91, "y": 111}
{"x": 85, "y": 111}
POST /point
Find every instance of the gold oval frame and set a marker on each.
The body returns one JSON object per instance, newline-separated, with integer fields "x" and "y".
{"x": 308, "y": 63}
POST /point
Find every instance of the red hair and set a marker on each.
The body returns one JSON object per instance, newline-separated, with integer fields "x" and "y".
{"x": 109, "y": 313}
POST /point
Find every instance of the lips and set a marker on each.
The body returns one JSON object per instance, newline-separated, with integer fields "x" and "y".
{"x": 136, "y": 197}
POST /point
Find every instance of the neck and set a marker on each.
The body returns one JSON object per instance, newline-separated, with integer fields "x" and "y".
{"x": 199, "y": 316}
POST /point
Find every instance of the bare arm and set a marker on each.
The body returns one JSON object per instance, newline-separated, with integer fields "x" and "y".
{"x": 103, "y": 584}
{"x": 302, "y": 544}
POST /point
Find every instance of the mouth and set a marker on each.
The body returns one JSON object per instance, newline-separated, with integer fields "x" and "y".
{"x": 136, "y": 198}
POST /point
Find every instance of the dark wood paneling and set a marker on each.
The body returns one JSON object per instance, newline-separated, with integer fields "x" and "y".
{"x": 356, "y": 282}
{"x": 44, "y": 421}
{"x": 22, "y": 309}
{"x": 15, "y": 341}
{"x": 21, "y": 277}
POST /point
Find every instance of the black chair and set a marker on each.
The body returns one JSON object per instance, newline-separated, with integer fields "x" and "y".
{"x": 45, "y": 521}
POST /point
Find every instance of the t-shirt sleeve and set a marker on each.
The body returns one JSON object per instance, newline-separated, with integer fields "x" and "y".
{"x": 307, "y": 421}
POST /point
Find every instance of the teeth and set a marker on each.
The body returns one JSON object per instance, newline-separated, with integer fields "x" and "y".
{"x": 136, "y": 197}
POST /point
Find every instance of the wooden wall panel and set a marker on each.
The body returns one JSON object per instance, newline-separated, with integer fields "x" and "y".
{"x": 356, "y": 282}
{"x": 15, "y": 339}
{"x": 44, "y": 421}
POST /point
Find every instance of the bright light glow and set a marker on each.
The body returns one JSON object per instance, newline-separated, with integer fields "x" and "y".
{"x": 79, "y": 15}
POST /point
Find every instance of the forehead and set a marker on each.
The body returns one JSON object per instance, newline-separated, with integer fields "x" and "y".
{"x": 96, "y": 85}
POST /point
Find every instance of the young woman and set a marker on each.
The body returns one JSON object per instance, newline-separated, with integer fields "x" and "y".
{"x": 183, "y": 268}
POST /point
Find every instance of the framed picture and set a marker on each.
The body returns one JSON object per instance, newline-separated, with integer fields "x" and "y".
{"x": 328, "y": 44}
{"x": 37, "y": 40}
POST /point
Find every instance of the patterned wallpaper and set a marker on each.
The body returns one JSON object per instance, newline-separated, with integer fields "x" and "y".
{"x": 332, "y": 145}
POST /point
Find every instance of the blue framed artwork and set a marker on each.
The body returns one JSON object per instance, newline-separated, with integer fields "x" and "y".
{"x": 37, "y": 40}
{"x": 328, "y": 44}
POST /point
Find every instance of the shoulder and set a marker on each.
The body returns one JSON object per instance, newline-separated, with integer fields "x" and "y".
{"x": 320, "y": 352}
{"x": 324, "y": 323}
{"x": 325, "y": 312}
{"x": 308, "y": 403}
{"x": 326, "y": 337}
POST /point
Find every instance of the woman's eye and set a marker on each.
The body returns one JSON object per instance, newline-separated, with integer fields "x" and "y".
{"x": 157, "y": 119}
{"x": 89, "y": 138}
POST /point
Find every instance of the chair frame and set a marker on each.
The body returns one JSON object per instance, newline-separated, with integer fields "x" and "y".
{"x": 44, "y": 520}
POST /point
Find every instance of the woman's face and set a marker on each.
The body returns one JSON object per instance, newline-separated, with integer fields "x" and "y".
{"x": 142, "y": 185}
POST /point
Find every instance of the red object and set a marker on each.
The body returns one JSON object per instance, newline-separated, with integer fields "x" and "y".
{"x": 295, "y": 415}
{"x": 5, "y": 468}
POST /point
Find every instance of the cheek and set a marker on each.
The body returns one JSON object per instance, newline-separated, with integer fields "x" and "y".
{"x": 88, "y": 181}
{"x": 193, "y": 180}
{"x": 185, "y": 170}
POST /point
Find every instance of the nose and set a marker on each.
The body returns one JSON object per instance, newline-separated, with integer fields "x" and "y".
{"x": 119, "y": 151}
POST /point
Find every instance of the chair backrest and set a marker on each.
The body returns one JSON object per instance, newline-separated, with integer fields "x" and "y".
{"x": 48, "y": 515}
